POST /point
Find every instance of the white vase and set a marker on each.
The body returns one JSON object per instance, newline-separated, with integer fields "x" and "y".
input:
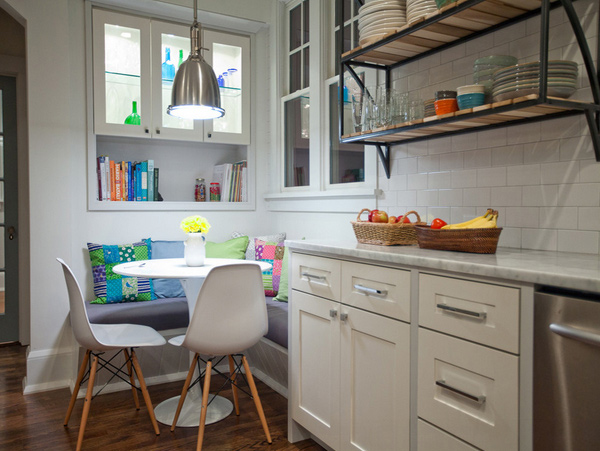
{"x": 195, "y": 250}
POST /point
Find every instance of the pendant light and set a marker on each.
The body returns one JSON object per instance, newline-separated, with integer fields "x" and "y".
{"x": 195, "y": 93}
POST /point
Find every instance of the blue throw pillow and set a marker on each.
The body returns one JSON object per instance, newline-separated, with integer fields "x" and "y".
{"x": 167, "y": 288}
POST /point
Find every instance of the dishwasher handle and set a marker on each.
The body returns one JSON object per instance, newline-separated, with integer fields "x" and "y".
{"x": 576, "y": 334}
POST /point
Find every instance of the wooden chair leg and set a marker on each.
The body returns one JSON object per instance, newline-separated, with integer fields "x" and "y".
{"x": 186, "y": 385}
{"x": 257, "y": 402}
{"x": 205, "y": 392}
{"x": 145, "y": 394}
{"x": 87, "y": 402}
{"x": 130, "y": 371}
{"x": 86, "y": 359}
{"x": 234, "y": 389}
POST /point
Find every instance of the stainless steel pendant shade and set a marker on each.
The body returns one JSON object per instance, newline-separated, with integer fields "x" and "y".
{"x": 195, "y": 93}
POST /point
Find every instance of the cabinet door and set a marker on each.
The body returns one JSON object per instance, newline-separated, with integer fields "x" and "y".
{"x": 375, "y": 382}
{"x": 170, "y": 47}
{"x": 315, "y": 366}
{"x": 229, "y": 56}
{"x": 121, "y": 58}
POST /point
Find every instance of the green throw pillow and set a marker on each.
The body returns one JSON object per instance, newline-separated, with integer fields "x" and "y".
{"x": 234, "y": 248}
{"x": 282, "y": 294}
{"x": 111, "y": 288}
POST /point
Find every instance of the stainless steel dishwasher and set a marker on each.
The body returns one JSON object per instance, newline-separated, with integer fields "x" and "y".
{"x": 566, "y": 394}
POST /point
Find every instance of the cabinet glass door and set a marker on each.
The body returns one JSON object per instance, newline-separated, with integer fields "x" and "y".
{"x": 122, "y": 104}
{"x": 229, "y": 57}
{"x": 170, "y": 48}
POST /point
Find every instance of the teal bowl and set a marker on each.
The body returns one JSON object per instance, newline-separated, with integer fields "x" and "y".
{"x": 470, "y": 100}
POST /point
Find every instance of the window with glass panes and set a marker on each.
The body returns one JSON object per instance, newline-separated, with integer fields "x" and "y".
{"x": 296, "y": 107}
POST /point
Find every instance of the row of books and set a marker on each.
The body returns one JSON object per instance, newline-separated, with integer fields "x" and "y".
{"x": 233, "y": 180}
{"x": 127, "y": 181}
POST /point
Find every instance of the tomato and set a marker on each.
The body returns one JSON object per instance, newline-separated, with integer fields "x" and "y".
{"x": 371, "y": 215}
{"x": 404, "y": 220}
{"x": 438, "y": 223}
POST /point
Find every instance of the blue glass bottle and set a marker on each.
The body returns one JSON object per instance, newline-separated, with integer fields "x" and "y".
{"x": 168, "y": 68}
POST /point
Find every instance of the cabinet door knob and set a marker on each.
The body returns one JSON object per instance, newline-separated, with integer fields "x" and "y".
{"x": 333, "y": 313}
{"x": 158, "y": 131}
{"x": 146, "y": 130}
{"x": 209, "y": 135}
{"x": 343, "y": 317}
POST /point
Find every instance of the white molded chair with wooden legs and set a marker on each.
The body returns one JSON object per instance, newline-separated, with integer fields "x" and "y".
{"x": 230, "y": 316}
{"x": 99, "y": 338}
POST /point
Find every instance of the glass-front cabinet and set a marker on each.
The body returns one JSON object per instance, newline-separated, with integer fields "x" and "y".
{"x": 135, "y": 60}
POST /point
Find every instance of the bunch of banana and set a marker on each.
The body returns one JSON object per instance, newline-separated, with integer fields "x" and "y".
{"x": 487, "y": 221}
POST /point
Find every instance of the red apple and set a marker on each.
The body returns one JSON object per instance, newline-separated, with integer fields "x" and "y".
{"x": 371, "y": 213}
{"x": 380, "y": 216}
{"x": 404, "y": 219}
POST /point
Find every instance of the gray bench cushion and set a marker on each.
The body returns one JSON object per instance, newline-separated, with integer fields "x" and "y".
{"x": 172, "y": 313}
{"x": 160, "y": 314}
{"x": 278, "y": 322}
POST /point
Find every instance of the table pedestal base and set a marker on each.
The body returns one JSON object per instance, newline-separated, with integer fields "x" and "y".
{"x": 218, "y": 409}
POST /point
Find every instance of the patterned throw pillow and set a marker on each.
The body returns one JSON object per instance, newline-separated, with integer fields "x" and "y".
{"x": 270, "y": 252}
{"x": 250, "y": 251}
{"x": 111, "y": 288}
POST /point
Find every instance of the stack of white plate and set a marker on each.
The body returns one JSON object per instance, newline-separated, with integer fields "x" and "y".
{"x": 376, "y": 18}
{"x": 524, "y": 79}
{"x": 415, "y": 9}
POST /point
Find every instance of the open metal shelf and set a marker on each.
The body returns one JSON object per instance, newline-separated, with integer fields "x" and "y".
{"x": 456, "y": 23}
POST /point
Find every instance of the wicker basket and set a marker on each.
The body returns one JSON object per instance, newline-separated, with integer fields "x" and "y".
{"x": 385, "y": 234}
{"x": 478, "y": 241}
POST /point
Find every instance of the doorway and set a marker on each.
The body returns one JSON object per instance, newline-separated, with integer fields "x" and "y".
{"x": 9, "y": 252}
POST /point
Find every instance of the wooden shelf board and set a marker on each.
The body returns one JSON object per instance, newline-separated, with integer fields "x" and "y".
{"x": 456, "y": 26}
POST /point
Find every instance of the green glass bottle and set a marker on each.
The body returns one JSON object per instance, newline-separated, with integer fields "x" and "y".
{"x": 180, "y": 58}
{"x": 134, "y": 117}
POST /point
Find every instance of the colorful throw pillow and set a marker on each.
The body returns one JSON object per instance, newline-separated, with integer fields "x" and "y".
{"x": 273, "y": 253}
{"x": 250, "y": 251}
{"x": 111, "y": 288}
{"x": 233, "y": 248}
{"x": 282, "y": 293}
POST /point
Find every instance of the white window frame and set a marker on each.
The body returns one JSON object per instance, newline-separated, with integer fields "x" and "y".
{"x": 322, "y": 60}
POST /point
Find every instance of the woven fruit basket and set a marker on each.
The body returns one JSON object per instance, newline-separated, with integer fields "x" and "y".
{"x": 384, "y": 234}
{"x": 477, "y": 241}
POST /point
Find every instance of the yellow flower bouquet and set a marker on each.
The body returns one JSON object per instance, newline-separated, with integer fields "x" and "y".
{"x": 195, "y": 224}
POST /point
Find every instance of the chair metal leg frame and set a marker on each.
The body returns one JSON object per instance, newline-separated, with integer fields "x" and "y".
{"x": 234, "y": 388}
{"x": 90, "y": 376}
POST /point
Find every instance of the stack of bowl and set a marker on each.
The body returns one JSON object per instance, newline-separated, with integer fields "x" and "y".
{"x": 445, "y": 102}
{"x": 442, "y": 3}
{"x": 524, "y": 79}
{"x": 470, "y": 96}
{"x": 429, "y": 107}
{"x": 376, "y": 18}
{"x": 484, "y": 68}
{"x": 415, "y": 9}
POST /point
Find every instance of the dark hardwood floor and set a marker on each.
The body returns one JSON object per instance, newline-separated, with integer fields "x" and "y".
{"x": 35, "y": 421}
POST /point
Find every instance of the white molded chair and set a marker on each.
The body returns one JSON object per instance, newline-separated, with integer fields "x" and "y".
{"x": 230, "y": 316}
{"x": 99, "y": 338}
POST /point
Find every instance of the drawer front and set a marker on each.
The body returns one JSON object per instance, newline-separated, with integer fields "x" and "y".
{"x": 316, "y": 275}
{"x": 469, "y": 390}
{"x": 431, "y": 438}
{"x": 377, "y": 289}
{"x": 480, "y": 312}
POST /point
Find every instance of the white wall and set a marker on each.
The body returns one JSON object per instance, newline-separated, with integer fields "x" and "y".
{"x": 542, "y": 177}
{"x": 60, "y": 223}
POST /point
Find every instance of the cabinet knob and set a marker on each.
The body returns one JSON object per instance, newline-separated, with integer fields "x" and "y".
{"x": 158, "y": 131}
{"x": 343, "y": 317}
{"x": 146, "y": 130}
{"x": 333, "y": 313}
{"x": 209, "y": 135}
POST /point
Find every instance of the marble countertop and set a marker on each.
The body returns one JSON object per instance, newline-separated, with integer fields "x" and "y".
{"x": 559, "y": 269}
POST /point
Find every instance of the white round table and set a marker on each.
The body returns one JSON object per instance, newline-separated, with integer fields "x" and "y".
{"x": 191, "y": 278}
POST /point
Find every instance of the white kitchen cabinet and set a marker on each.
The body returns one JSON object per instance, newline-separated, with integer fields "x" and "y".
{"x": 349, "y": 373}
{"x": 129, "y": 53}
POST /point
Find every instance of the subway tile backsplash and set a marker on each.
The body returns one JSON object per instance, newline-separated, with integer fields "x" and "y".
{"x": 542, "y": 177}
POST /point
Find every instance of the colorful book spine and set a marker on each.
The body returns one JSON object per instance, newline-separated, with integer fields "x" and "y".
{"x": 138, "y": 182}
{"x": 151, "y": 180}
{"x": 99, "y": 176}
{"x": 156, "y": 184}
{"x": 118, "y": 185}
{"x": 144, "y": 184}
{"x": 112, "y": 181}
{"x": 130, "y": 185}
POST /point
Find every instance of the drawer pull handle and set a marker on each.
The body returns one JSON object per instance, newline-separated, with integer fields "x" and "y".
{"x": 343, "y": 317}
{"x": 478, "y": 399}
{"x": 368, "y": 290}
{"x": 313, "y": 276}
{"x": 460, "y": 311}
{"x": 333, "y": 313}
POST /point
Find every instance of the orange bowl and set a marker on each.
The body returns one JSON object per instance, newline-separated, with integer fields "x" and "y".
{"x": 445, "y": 106}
